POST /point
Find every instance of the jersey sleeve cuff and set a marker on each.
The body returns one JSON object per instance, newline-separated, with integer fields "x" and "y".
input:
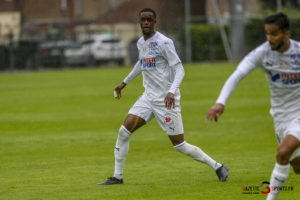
{"x": 125, "y": 81}
{"x": 172, "y": 91}
{"x": 221, "y": 102}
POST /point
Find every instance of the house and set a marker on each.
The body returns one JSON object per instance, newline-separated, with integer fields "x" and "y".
{"x": 77, "y": 19}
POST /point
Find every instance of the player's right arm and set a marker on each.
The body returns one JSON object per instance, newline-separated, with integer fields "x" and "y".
{"x": 117, "y": 91}
{"x": 215, "y": 112}
{"x": 137, "y": 69}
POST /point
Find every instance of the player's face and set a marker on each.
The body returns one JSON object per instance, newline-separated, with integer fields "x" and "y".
{"x": 147, "y": 22}
{"x": 278, "y": 39}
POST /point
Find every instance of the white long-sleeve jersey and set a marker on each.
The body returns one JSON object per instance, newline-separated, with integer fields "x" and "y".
{"x": 161, "y": 68}
{"x": 282, "y": 71}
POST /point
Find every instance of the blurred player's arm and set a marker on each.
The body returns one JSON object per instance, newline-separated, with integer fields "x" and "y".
{"x": 134, "y": 72}
{"x": 179, "y": 74}
{"x": 170, "y": 54}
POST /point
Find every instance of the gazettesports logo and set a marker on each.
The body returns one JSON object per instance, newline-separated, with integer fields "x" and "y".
{"x": 264, "y": 188}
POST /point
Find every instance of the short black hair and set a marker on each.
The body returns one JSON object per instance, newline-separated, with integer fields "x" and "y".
{"x": 148, "y": 10}
{"x": 280, "y": 19}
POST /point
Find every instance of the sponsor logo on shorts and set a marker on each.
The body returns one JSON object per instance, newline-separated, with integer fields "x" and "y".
{"x": 169, "y": 123}
{"x": 168, "y": 119}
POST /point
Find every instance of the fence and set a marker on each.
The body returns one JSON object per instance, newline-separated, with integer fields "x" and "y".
{"x": 206, "y": 43}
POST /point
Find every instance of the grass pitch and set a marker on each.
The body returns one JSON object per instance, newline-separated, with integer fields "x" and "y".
{"x": 58, "y": 130}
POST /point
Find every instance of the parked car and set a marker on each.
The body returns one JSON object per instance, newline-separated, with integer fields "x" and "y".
{"x": 76, "y": 54}
{"x": 52, "y": 53}
{"x": 105, "y": 47}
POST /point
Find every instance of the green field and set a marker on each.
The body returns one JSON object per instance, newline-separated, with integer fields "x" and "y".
{"x": 58, "y": 130}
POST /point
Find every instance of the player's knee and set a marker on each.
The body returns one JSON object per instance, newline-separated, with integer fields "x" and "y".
{"x": 124, "y": 133}
{"x": 283, "y": 154}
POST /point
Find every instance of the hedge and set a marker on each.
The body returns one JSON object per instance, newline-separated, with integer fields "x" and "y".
{"x": 207, "y": 44}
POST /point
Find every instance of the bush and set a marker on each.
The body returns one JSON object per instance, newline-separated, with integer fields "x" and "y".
{"x": 207, "y": 43}
{"x": 254, "y": 33}
{"x": 295, "y": 29}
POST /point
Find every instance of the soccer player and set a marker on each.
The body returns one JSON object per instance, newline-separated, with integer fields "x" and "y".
{"x": 279, "y": 59}
{"x": 162, "y": 74}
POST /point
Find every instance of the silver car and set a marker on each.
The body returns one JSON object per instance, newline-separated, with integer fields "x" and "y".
{"x": 77, "y": 54}
{"x": 105, "y": 47}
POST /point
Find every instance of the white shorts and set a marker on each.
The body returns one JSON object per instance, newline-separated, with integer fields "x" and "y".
{"x": 284, "y": 129}
{"x": 169, "y": 120}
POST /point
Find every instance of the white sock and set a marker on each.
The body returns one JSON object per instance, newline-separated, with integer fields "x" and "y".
{"x": 197, "y": 154}
{"x": 121, "y": 151}
{"x": 279, "y": 175}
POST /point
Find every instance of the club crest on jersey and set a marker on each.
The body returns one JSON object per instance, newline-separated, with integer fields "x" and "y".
{"x": 149, "y": 62}
{"x": 144, "y": 50}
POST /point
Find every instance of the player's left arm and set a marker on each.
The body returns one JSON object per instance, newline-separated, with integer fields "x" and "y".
{"x": 179, "y": 74}
{"x": 174, "y": 61}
